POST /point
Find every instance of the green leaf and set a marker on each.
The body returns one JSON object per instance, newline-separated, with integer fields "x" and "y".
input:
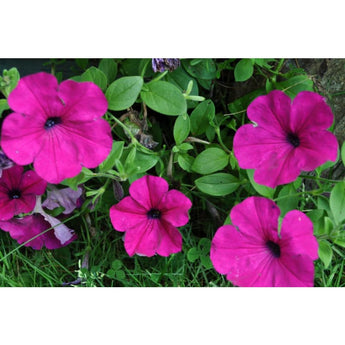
{"x": 116, "y": 265}
{"x": 74, "y": 182}
{"x": 96, "y": 76}
{"x": 193, "y": 254}
{"x": 120, "y": 274}
{"x": 210, "y": 160}
{"x": 287, "y": 199}
{"x": 325, "y": 252}
{"x": 181, "y": 128}
{"x": 164, "y": 97}
{"x": 115, "y": 154}
{"x": 181, "y": 79}
{"x": 138, "y": 162}
{"x": 218, "y": 184}
{"x": 123, "y": 92}
{"x": 243, "y": 70}
{"x": 9, "y": 80}
{"x": 201, "y": 117}
{"x": 201, "y": 69}
{"x": 295, "y": 84}
{"x": 3, "y": 106}
{"x": 337, "y": 202}
{"x": 206, "y": 262}
{"x": 109, "y": 68}
{"x": 261, "y": 189}
{"x": 185, "y": 161}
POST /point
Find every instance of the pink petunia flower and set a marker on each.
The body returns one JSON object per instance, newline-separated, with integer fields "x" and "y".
{"x": 287, "y": 138}
{"x": 24, "y": 229}
{"x": 252, "y": 253}
{"x": 149, "y": 217}
{"x": 18, "y": 190}
{"x": 57, "y": 127}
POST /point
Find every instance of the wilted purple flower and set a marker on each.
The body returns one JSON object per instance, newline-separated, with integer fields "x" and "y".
{"x": 161, "y": 65}
{"x": 5, "y": 162}
{"x": 66, "y": 197}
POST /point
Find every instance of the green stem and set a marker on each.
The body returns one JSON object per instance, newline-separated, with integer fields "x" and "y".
{"x": 319, "y": 178}
{"x": 221, "y": 141}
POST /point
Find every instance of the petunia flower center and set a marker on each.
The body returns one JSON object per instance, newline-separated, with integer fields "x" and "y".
{"x": 51, "y": 122}
{"x": 154, "y": 214}
{"x": 273, "y": 248}
{"x": 293, "y": 139}
{"x": 14, "y": 194}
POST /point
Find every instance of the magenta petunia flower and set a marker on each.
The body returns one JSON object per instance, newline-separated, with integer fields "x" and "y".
{"x": 287, "y": 138}
{"x": 18, "y": 190}
{"x": 251, "y": 253}
{"x": 149, "y": 217}
{"x": 57, "y": 127}
{"x": 24, "y": 229}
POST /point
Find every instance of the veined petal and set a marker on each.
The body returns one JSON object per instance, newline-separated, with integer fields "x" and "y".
{"x": 36, "y": 96}
{"x": 142, "y": 239}
{"x": 128, "y": 214}
{"x": 84, "y": 101}
{"x": 32, "y": 184}
{"x": 257, "y": 218}
{"x": 170, "y": 239}
{"x": 12, "y": 178}
{"x": 316, "y": 148}
{"x": 22, "y": 137}
{"x": 278, "y": 168}
{"x": 271, "y": 112}
{"x": 7, "y": 209}
{"x": 148, "y": 191}
{"x": 174, "y": 207}
{"x": 310, "y": 112}
{"x": 92, "y": 139}
{"x": 297, "y": 236}
{"x": 239, "y": 257}
{"x": 252, "y": 144}
{"x": 57, "y": 159}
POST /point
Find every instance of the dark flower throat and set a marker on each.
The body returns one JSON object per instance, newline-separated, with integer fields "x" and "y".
{"x": 293, "y": 139}
{"x": 14, "y": 194}
{"x": 52, "y": 121}
{"x": 154, "y": 214}
{"x": 274, "y": 248}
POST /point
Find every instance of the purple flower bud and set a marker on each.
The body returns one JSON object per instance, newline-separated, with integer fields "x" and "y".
{"x": 161, "y": 65}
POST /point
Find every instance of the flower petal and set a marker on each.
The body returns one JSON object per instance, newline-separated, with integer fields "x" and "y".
{"x": 36, "y": 95}
{"x": 271, "y": 111}
{"x": 65, "y": 197}
{"x": 84, "y": 101}
{"x": 32, "y": 184}
{"x": 22, "y": 137}
{"x": 310, "y": 112}
{"x": 278, "y": 168}
{"x": 56, "y": 160}
{"x": 128, "y": 214}
{"x": 170, "y": 239}
{"x": 297, "y": 271}
{"x": 143, "y": 239}
{"x": 240, "y": 257}
{"x": 316, "y": 148}
{"x": 11, "y": 178}
{"x": 24, "y": 229}
{"x": 297, "y": 235}
{"x": 257, "y": 218}
{"x": 92, "y": 139}
{"x": 61, "y": 231}
{"x": 7, "y": 208}
{"x": 148, "y": 191}
{"x": 174, "y": 207}
{"x": 253, "y": 144}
